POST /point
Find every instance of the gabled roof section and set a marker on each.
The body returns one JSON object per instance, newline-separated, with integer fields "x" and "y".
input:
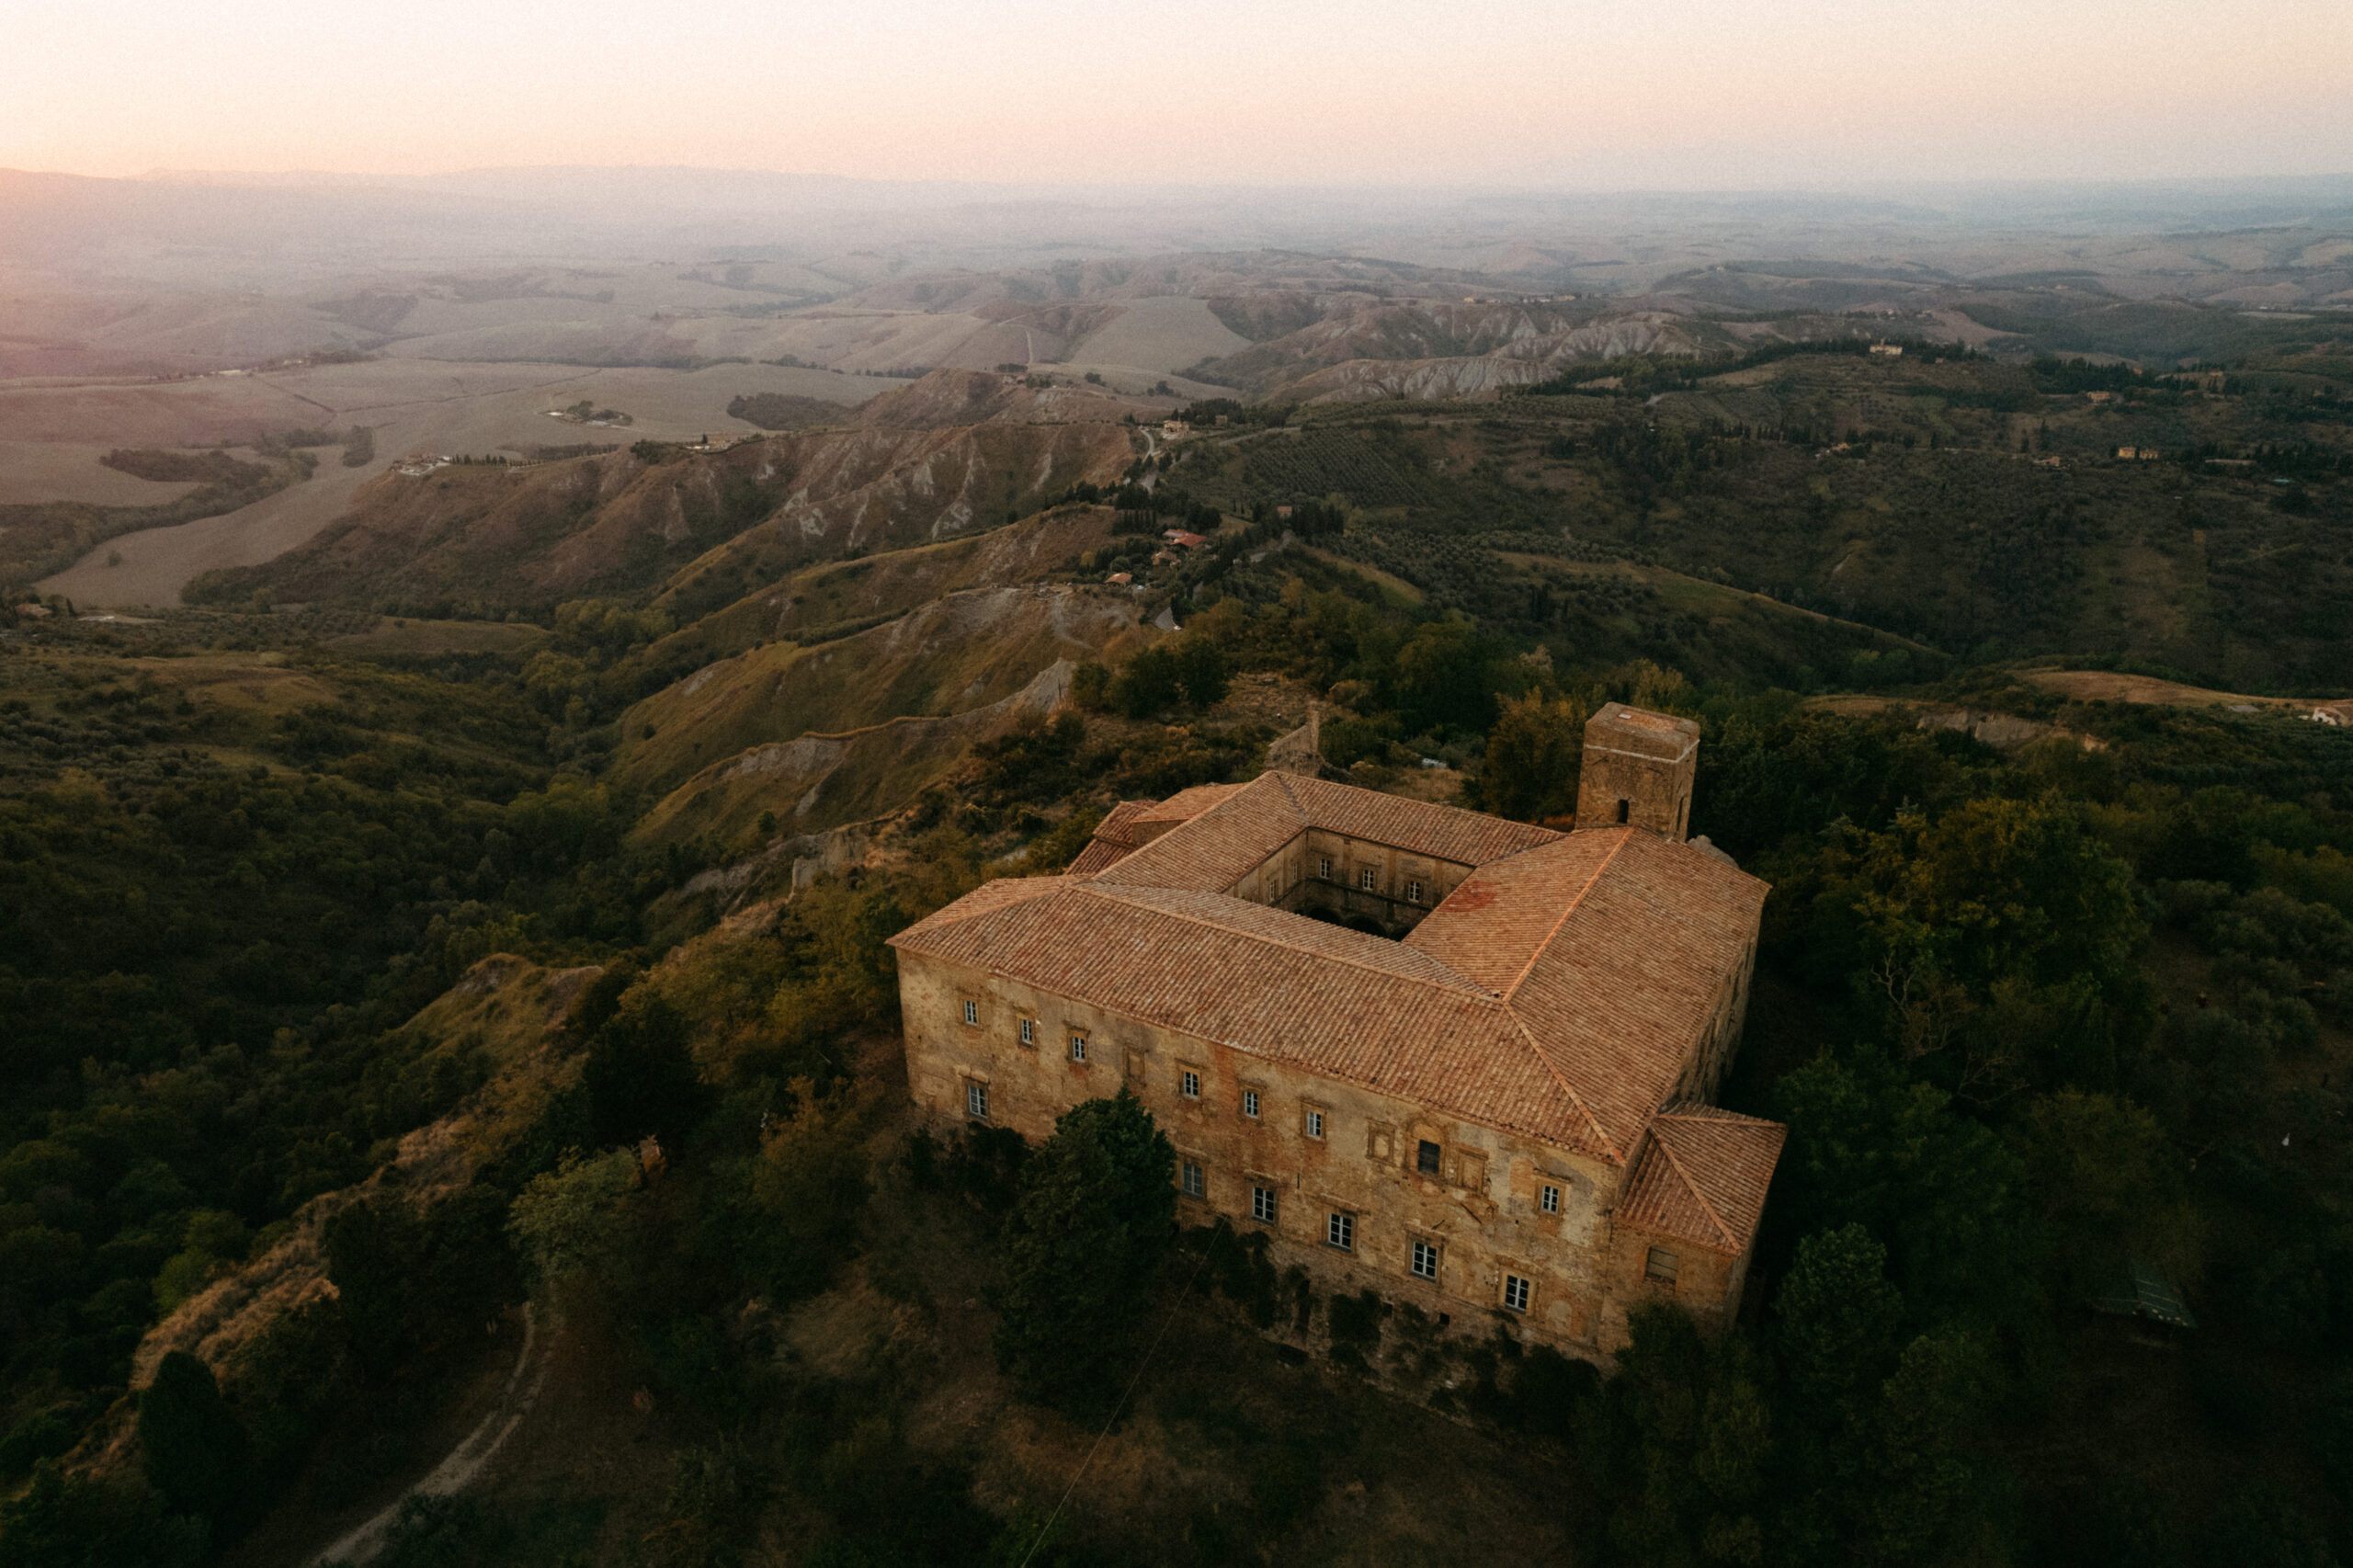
{"x": 1561, "y": 991}
{"x": 1219, "y": 846}
{"x": 987, "y": 899}
{"x": 1702, "y": 1177}
{"x": 1270, "y": 984}
{"x": 1442, "y": 833}
{"x": 1115, "y": 837}
{"x": 1612, "y": 947}
{"x": 1230, "y": 829}
{"x": 1186, "y": 805}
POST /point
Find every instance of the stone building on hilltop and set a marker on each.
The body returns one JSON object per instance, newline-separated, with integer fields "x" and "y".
{"x": 1461, "y": 1061}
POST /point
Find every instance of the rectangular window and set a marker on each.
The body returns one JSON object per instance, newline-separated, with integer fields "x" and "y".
{"x": 976, "y": 1101}
{"x": 1078, "y": 1048}
{"x": 1314, "y": 1124}
{"x": 1661, "y": 1267}
{"x": 1262, "y": 1205}
{"x": 1188, "y": 1083}
{"x": 971, "y": 1012}
{"x": 1340, "y": 1230}
{"x": 1413, "y": 893}
{"x": 1515, "y": 1292}
{"x": 1249, "y": 1102}
{"x": 1425, "y": 1261}
{"x": 1029, "y": 1031}
{"x": 1364, "y": 878}
{"x": 1552, "y": 1198}
{"x": 1194, "y": 1183}
{"x": 1324, "y": 867}
{"x": 1426, "y": 1160}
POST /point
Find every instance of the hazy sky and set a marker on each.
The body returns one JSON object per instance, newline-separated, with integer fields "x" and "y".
{"x": 1672, "y": 93}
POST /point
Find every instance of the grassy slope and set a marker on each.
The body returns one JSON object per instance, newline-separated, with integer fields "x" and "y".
{"x": 805, "y": 606}
{"x": 958, "y": 653}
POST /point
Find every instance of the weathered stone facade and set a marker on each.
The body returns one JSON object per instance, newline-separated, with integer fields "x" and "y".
{"x": 1638, "y": 768}
{"x": 1501, "y": 1113}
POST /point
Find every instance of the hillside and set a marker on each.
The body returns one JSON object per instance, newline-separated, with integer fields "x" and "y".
{"x": 950, "y": 454}
{"x": 964, "y": 650}
{"x": 1961, "y": 504}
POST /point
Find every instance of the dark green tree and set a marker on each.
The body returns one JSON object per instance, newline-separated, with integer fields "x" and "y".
{"x": 1097, "y": 1210}
{"x": 1149, "y": 682}
{"x": 196, "y": 1451}
{"x": 1836, "y": 1321}
{"x": 1200, "y": 670}
{"x": 640, "y": 1076}
{"x": 1531, "y": 770}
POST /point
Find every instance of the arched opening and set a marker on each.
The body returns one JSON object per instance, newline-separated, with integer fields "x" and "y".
{"x": 1366, "y": 924}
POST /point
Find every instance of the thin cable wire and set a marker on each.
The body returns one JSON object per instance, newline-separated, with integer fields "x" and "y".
{"x": 1141, "y": 1367}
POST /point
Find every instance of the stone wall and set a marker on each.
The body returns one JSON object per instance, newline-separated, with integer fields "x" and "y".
{"x": 1482, "y": 1211}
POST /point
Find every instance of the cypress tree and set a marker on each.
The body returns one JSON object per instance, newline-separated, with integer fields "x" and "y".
{"x": 1098, "y": 1210}
{"x": 196, "y": 1448}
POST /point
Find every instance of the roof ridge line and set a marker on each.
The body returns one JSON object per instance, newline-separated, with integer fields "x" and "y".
{"x": 1607, "y": 1143}
{"x": 1693, "y": 1187}
{"x": 1537, "y": 951}
{"x": 1289, "y": 798}
{"x": 1113, "y": 891}
{"x": 1721, "y": 1114}
{"x": 934, "y": 918}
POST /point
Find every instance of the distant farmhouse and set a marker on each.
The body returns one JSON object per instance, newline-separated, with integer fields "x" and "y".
{"x": 1461, "y": 1061}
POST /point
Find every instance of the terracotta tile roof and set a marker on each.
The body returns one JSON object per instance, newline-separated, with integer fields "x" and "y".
{"x": 1443, "y": 833}
{"x": 1220, "y": 846}
{"x": 1559, "y": 992}
{"x": 1611, "y": 946}
{"x": 986, "y": 898}
{"x": 1702, "y": 1177}
{"x": 1270, "y": 983}
{"x": 1186, "y": 805}
{"x": 1100, "y": 854}
{"x": 1235, "y": 832}
{"x": 1115, "y": 835}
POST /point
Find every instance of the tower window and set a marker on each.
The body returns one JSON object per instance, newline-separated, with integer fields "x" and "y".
{"x": 1516, "y": 1293}
{"x": 1552, "y": 1198}
{"x": 1188, "y": 1083}
{"x": 1340, "y": 1230}
{"x": 1078, "y": 1048}
{"x": 1195, "y": 1184}
{"x": 1249, "y": 1102}
{"x": 1262, "y": 1205}
{"x": 1029, "y": 1031}
{"x": 971, "y": 1012}
{"x": 1426, "y": 1158}
{"x": 976, "y": 1101}
{"x": 1425, "y": 1261}
{"x": 1625, "y": 809}
{"x": 1313, "y": 1124}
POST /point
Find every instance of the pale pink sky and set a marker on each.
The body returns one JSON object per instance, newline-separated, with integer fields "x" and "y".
{"x": 1597, "y": 93}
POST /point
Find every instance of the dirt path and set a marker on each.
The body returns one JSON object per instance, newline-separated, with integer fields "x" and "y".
{"x": 465, "y": 1462}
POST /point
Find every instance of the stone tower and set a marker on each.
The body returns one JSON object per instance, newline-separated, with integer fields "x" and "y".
{"x": 1638, "y": 768}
